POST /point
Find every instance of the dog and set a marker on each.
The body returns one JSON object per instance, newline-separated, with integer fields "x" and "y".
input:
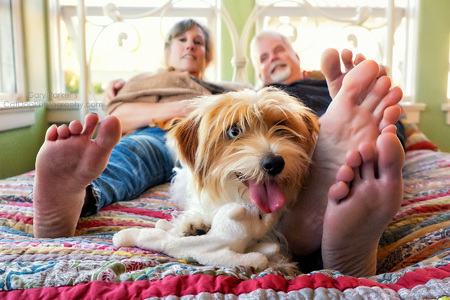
{"x": 246, "y": 146}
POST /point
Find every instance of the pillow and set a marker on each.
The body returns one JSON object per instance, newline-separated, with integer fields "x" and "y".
{"x": 415, "y": 139}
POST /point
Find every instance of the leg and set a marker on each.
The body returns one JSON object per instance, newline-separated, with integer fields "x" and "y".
{"x": 362, "y": 108}
{"x": 356, "y": 216}
{"x": 140, "y": 161}
{"x": 66, "y": 163}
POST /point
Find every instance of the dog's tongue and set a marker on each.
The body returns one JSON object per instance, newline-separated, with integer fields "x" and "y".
{"x": 267, "y": 195}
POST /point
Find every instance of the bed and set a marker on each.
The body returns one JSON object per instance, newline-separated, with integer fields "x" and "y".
{"x": 413, "y": 256}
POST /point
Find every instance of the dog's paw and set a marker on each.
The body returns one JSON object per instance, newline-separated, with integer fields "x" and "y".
{"x": 192, "y": 228}
{"x": 197, "y": 229}
{"x": 126, "y": 237}
{"x": 266, "y": 248}
{"x": 164, "y": 225}
{"x": 192, "y": 223}
{"x": 256, "y": 260}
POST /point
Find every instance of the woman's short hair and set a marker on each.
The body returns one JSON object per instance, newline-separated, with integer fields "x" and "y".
{"x": 183, "y": 26}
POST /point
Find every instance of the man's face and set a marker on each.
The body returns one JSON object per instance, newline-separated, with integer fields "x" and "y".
{"x": 277, "y": 62}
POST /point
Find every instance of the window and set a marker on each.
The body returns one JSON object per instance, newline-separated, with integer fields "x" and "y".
{"x": 362, "y": 26}
{"x": 14, "y": 111}
{"x": 11, "y": 67}
{"x": 126, "y": 37}
{"x": 123, "y": 38}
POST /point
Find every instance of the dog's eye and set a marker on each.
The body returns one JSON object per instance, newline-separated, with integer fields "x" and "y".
{"x": 260, "y": 216}
{"x": 280, "y": 127}
{"x": 233, "y": 132}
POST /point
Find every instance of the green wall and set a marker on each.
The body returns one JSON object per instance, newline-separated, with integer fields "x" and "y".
{"x": 18, "y": 147}
{"x": 239, "y": 11}
{"x": 432, "y": 69}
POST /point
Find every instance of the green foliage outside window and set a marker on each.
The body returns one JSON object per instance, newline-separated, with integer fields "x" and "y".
{"x": 71, "y": 84}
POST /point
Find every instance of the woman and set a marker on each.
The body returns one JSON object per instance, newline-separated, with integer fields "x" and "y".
{"x": 188, "y": 51}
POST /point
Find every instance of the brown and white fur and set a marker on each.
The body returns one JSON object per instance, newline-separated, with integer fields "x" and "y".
{"x": 242, "y": 146}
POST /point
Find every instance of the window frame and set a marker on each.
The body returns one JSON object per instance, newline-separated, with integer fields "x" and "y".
{"x": 65, "y": 12}
{"x": 338, "y": 14}
{"x": 409, "y": 12}
{"x": 15, "y": 111}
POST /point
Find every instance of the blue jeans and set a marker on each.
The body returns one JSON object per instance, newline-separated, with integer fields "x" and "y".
{"x": 140, "y": 161}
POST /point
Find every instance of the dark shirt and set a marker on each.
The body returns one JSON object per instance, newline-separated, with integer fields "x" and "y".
{"x": 314, "y": 94}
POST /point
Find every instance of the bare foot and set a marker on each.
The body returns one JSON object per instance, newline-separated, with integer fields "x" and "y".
{"x": 356, "y": 216}
{"x": 363, "y": 107}
{"x": 66, "y": 164}
{"x": 331, "y": 67}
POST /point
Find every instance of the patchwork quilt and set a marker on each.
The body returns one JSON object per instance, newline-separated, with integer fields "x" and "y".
{"x": 413, "y": 256}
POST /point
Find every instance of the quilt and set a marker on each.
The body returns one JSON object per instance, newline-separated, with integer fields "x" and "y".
{"x": 413, "y": 256}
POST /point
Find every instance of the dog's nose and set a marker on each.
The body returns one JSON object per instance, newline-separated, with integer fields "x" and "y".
{"x": 273, "y": 164}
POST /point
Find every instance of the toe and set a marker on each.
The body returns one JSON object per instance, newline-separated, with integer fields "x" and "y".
{"x": 63, "y": 132}
{"x": 390, "y": 162}
{"x": 373, "y": 102}
{"x": 353, "y": 158}
{"x": 75, "y": 127}
{"x": 390, "y": 129}
{"x": 391, "y": 156}
{"x": 338, "y": 192}
{"x": 359, "y": 58}
{"x": 330, "y": 64}
{"x": 109, "y": 133}
{"x": 359, "y": 80}
{"x": 390, "y": 116}
{"x": 345, "y": 173}
{"x": 383, "y": 71}
{"x": 52, "y": 133}
{"x": 368, "y": 155}
{"x": 90, "y": 123}
{"x": 347, "y": 59}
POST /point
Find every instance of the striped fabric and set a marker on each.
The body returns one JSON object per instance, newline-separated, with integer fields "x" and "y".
{"x": 413, "y": 257}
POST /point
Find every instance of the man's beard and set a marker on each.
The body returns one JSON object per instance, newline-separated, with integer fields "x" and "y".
{"x": 281, "y": 75}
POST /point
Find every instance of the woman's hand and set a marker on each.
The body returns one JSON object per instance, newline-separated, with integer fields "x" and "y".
{"x": 112, "y": 90}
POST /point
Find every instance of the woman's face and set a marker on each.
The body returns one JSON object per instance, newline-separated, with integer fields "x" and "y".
{"x": 187, "y": 52}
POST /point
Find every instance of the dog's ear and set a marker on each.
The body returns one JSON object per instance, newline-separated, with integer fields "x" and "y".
{"x": 312, "y": 125}
{"x": 186, "y": 136}
{"x": 312, "y": 122}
